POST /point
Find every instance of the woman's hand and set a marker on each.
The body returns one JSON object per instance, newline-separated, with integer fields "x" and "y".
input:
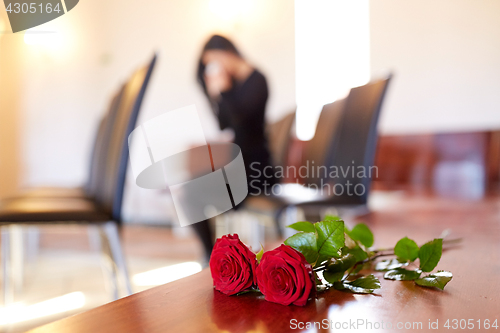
{"x": 217, "y": 81}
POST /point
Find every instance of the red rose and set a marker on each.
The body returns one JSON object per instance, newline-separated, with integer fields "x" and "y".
{"x": 232, "y": 265}
{"x": 285, "y": 277}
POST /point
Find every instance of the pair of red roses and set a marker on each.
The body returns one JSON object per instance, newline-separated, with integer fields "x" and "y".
{"x": 283, "y": 275}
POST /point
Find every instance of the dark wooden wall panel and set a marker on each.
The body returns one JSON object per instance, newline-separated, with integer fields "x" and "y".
{"x": 448, "y": 163}
{"x": 463, "y": 164}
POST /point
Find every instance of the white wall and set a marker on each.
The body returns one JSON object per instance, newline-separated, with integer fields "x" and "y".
{"x": 444, "y": 54}
{"x": 66, "y": 88}
{"x": 446, "y": 59}
{"x": 264, "y": 33}
{"x": 63, "y": 96}
{"x": 10, "y": 97}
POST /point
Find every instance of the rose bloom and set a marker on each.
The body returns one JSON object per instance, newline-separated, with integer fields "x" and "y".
{"x": 285, "y": 277}
{"x": 232, "y": 265}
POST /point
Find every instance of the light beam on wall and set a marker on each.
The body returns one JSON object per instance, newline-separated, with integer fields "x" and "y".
{"x": 332, "y": 54}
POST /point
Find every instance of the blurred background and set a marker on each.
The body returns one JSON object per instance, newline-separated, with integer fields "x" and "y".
{"x": 439, "y": 128}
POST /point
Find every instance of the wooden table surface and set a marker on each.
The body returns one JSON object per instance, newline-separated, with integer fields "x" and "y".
{"x": 192, "y": 305}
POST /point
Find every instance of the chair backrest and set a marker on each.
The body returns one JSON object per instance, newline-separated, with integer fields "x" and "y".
{"x": 356, "y": 143}
{"x": 110, "y": 193}
{"x": 279, "y": 135}
{"x": 322, "y": 145}
{"x": 101, "y": 145}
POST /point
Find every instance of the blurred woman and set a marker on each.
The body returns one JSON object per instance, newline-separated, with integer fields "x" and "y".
{"x": 238, "y": 95}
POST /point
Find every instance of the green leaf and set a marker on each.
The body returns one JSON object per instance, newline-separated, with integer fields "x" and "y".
{"x": 363, "y": 285}
{"x": 248, "y": 291}
{"x": 330, "y": 237}
{"x": 437, "y": 280}
{"x": 305, "y": 243}
{"x": 406, "y": 249}
{"x": 303, "y": 226}
{"x": 317, "y": 279}
{"x": 430, "y": 254}
{"x": 357, "y": 252}
{"x": 360, "y": 268}
{"x": 322, "y": 258}
{"x": 342, "y": 264}
{"x": 260, "y": 254}
{"x": 402, "y": 274}
{"x": 369, "y": 281}
{"x": 387, "y": 265}
{"x": 332, "y": 277}
{"x": 332, "y": 218}
{"x": 339, "y": 285}
{"x": 362, "y": 233}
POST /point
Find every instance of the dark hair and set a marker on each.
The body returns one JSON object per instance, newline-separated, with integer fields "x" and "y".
{"x": 216, "y": 42}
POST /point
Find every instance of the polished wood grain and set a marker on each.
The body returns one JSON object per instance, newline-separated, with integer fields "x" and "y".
{"x": 192, "y": 305}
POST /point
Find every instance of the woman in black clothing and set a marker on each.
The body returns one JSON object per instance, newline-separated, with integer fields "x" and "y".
{"x": 238, "y": 94}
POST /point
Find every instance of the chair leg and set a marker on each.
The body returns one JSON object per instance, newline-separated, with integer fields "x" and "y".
{"x": 257, "y": 230}
{"x": 94, "y": 236}
{"x": 277, "y": 223}
{"x": 17, "y": 256}
{"x": 113, "y": 263}
{"x": 8, "y": 292}
{"x": 111, "y": 231}
{"x": 100, "y": 242}
{"x": 291, "y": 216}
{"x": 204, "y": 233}
{"x": 32, "y": 243}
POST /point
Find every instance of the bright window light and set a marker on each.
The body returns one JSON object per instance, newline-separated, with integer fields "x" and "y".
{"x": 332, "y": 55}
{"x": 19, "y": 312}
{"x": 166, "y": 274}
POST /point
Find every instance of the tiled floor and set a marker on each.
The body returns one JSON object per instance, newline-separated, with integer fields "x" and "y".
{"x": 66, "y": 264}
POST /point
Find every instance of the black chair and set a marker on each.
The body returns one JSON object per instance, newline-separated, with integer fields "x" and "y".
{"x": 314, "y": 154}
{"x": 351, "y": 143}
{"x": 104, "y": 209}
{"x": 96, "y": 165}
{"x": 322, "y": 146}
{"x": 279, "y": 136}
